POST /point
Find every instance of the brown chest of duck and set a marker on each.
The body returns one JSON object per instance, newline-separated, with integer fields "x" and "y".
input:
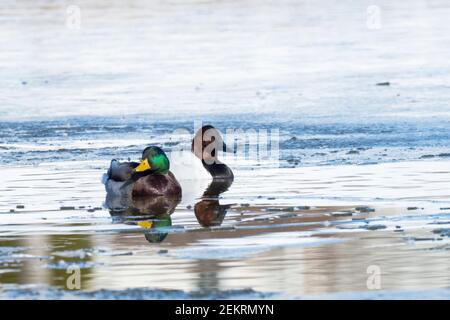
{"x": 150, "y": 177}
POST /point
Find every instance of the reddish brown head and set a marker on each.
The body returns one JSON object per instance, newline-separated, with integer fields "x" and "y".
{"x": 206, "y": 143}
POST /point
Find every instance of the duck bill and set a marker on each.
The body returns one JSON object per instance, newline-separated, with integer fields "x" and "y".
{"x": 145, "y": 224}
{"x": 143, "y": 166}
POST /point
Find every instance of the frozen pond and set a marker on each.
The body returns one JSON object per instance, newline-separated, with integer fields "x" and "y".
{"x": 207, "y": 57}
{"x": 311, "y": 234}
{"x": 360, "y": 186}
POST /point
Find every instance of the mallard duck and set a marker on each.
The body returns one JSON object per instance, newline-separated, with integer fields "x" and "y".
{"x": 150, "y": 177}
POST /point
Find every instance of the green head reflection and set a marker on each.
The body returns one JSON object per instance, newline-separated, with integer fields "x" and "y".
{"x": 152, "y": 214}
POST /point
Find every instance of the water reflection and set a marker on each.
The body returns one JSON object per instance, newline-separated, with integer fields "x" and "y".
{"x": 208, "y": 211}
{"x": 150, "y": 213}
{"x": 38, "y": 259}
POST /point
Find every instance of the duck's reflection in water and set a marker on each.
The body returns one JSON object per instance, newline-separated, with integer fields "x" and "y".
{"x": 208, "y": 211}
{"x": 150, "y": 213}
{"x": 154, "y": 213}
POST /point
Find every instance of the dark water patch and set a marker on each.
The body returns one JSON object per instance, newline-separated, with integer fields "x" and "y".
{"x": 342, "y": 214}
{"x": 51, "y": 293}
{"x": 374, "y": 227}
{"x": 66, "y": 208}
{"x": 443, "y": 232}
{"x": 444, "y": 155}
{"x": 364, "y": 209}
{"x": 302, "y": 140}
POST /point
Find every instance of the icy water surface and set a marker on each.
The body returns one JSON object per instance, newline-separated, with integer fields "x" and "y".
{"x": 286, "y": 232}
{"x": 361, "y": 181}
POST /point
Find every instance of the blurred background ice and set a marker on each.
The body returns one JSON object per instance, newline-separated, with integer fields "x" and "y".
{"x": 114, "y": 73}
{"x": 82, "y": 82}
{"x": 301, "y": 58}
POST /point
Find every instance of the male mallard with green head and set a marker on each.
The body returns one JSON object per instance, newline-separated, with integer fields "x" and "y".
{"x": 150, "y": 177}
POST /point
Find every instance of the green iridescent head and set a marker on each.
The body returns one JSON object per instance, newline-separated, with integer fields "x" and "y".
{"x": 154, "y": 159}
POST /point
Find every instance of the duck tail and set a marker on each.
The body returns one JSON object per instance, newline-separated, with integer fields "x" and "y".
{"x": 105, "y": 178}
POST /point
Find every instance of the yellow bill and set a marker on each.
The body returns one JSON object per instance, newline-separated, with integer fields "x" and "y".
{"x": 143, "y": 166}
{"x": 145, "y": 224}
